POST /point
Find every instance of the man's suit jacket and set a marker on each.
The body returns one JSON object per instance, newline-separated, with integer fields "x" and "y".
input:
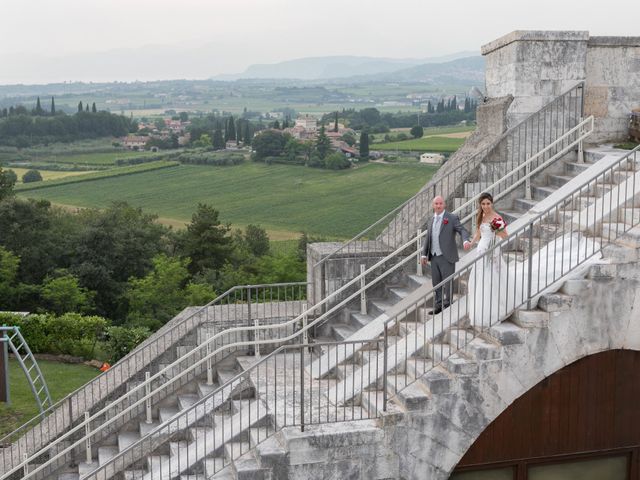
{"x": 448, "y": 232}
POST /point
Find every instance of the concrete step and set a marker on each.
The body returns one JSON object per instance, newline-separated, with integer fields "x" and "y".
{"x": 555, "y": 302}
{"x": 510, "y": 216}
{"x": 106, "y": 453}
{"x": 69, "y": 476}
{"x": 247, "y": 467}
{"x": 342, "y": 331}
{"x": 459, "y": 364}
{"x": 558, "y": 180}
{"x": 165, "y": 413}
{"x": 523, "y": 205}
{"x": 134, "y": 474}
{"x": 204, "y": 389}
{"x": 258, "y": 435}
{"x": 158, "y": 463}
{"x": 398, "y": 293}
{"x": 415, "y": 281}
{"x": 409, "y": 393}
{"x": 540, "y": 193}
{"x": 372, "y": 401}
{"x": 234, "y": 450}
{"x": 380, "y": 306}
{"x": 574, "y": 168}
{"x": 215, "y": 465}
{"x": 176, "y": 448}
{"x": 186, "y": 401}
{"x": 127, "y": 438}
{"x": 84, "y": 468}
{"x": 359, "y": 320}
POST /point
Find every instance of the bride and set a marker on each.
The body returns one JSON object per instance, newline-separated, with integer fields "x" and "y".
{"x": 499, "y": 283}
{"x": 488, "y": 278}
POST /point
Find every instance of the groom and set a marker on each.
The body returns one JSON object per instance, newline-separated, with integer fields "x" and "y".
{"x": 440, "y": 249}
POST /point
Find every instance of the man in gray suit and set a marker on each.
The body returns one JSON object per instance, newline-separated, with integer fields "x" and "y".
{"x": 440, "y": 249}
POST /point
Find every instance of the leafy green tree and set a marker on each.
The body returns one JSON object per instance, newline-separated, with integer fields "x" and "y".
{"x": 183, "y": 116}
{"x": 336, "y": 161}
{"x": 364, "y": 146}
{"x": 269, "y": 143}
{"x": 31, "y": 176}
{"x": 417, "y": 131}
{"x": 9, "y": 264}
{"x": 198, "y": 294}
{"x": 323, "y": 144}
{"x": 257, "y": 240}
{"x": 203, "y": 142}
{"x": 160, "y": 295}
{"x": 8, "y": 179}
{"x": 206, "y": 241}
{"x": 62, "y": 293}
{"x": 348, "y": 138}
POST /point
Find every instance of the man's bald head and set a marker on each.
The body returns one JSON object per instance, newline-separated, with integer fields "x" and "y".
{"x": 438, "y": 205}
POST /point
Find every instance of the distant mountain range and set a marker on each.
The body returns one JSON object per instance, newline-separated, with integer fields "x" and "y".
{"x": 339, "y": 67}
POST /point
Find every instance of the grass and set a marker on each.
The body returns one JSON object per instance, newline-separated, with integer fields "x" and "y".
{"x": 424, "y": 144}
{"x": 280, "y": 198}
{"x": 46, "y": 174}
{"x": 101, "y": 158}
{"x": 92, "y": 177}
{"x": 630, "y": 145}
{"x": 61, "y": 378}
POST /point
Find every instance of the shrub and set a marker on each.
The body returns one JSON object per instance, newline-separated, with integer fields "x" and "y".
{"x": 336, "y": 161}
{"x": 122, "y": 340}
{"x": 68, "y": 334}
{"x": 31, "y": 176}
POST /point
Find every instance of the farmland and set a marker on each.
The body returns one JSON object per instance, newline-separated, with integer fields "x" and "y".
{"x": 281, "y": 198}
{"x": 424, "y": 144}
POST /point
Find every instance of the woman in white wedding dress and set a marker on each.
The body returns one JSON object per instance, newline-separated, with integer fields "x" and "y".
{"x": 499, "y": 283}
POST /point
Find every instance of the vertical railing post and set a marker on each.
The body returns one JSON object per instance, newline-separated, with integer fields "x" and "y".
{"x": 305, "y": 334}
{"x": 209, "y": 364}
{"x": 301, "y": 388}
{"x": 418, "y": 252}
{"x": 87, "y": 434}
{"x": 580, "y": 146}
{"x": 147, "y": 391}
{"x": 5, "y": 392}
{"x": 530, "y": 271}
{"x": 363, "y": 293}
{"x": 384, "y": 369}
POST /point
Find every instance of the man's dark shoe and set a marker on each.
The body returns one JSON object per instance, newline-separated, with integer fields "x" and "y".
{"x": 435, "y": 311}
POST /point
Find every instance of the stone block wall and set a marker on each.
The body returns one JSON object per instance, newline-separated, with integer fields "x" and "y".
{"x": 537, "y": 66}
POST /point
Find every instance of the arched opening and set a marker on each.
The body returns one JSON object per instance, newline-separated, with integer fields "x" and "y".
{"x": 582, "y": 423}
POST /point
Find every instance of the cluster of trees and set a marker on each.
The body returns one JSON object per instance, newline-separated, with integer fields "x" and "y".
{"x": 120, "y": 264}
{"x": 215, "y": 131}
{"x": 210, "y": 158}
{"x": 371, "y": 120}
{"x": 275, "y": 146}
{"x": 20, "y": 127}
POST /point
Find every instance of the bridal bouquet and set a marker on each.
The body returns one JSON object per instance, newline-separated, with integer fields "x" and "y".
{"x": 498, "y": 224}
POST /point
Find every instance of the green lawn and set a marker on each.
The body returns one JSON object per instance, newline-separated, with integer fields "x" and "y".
{"x": 103, "y": 158}
{"x": 280, "y": 198}
{"x": 61, "y": 378}
{"x": 424, "y": 144}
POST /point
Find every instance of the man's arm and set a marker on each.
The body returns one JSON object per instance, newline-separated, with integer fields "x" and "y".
{"x": 425, "y": 256}
{"x": 459, "y": 228}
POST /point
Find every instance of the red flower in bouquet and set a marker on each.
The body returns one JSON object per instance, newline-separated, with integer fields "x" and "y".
{"x": 445, "y": 221}
{"x": 498, "y": 224}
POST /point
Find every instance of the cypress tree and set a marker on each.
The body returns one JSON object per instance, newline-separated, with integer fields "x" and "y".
{"x": 323, "y": 144}
{"x": 93, "y": 107}
{"x": 231, "y": 127}
{"x": 248, "y": 133}
{"x": 218, "y": 140}
{"x": 335, "y": 123}
{"x": 53, "y": 106}
{"x": 80, "y": 107}
{"x": 364, "y": 146}
{"x": 86, "y": 108}
{"x": 39, "y": 110}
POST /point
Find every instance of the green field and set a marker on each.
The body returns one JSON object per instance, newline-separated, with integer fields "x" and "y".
{"x": 103, "y": 158}
{"x": 61, "y": 378}
{"x": 424, "y": 144}
{"x": 283, "y": 199}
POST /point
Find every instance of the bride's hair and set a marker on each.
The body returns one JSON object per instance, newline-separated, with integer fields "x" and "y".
{"x": 483, "y": 196}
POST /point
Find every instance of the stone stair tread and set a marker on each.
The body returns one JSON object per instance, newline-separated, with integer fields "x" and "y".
{"x": 148, "y": 427}
{"x": 157, "y": 462}
{"x": 343, "y": 331}
{"x": 187, "y": 400}
{"x": 175, "y": 447}
{"x": 362, "y": 318}
{"x": 258, "y": 435}
{"x": 165, "y": 413}
{"x": 214, "y": 466}
{"x": 373, "y": 401}
{"x": 419, "y": 279}
{"x": 127, "y": 438}
{"x": 234, "y": 450}
{"x": 226, "y": 374}
{"x": 401, "y": 292}
{"x": 382, "y": 305}
{"x": 134, "y": 474}
{"x": 205, "y": 389}
{"x": 84, "y": 467}
{"x": 106, "y": 453}
{"x": 69, "y": 476}
{"x": 193, "y": 477}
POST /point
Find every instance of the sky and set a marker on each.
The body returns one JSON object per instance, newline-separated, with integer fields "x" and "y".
{"x": 51, "y": 40}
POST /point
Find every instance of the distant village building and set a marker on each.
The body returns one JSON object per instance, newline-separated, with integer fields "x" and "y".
{"x": 307, "y": 122}
{"x": 432, "y": 158}
{"x": 134, "y": 142}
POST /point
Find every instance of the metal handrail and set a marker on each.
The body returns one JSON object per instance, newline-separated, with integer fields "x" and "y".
{"x": 165, "y": 373}
{"x": 526, "y": 229}
{"x": 165, "y": 339}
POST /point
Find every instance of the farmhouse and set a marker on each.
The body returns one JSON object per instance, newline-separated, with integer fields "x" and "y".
{"x": 432, "y": 158}
{"x": 134, "y": 142}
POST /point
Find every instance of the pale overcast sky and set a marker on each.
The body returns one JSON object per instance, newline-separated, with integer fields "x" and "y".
{"x": 237, "y": 33}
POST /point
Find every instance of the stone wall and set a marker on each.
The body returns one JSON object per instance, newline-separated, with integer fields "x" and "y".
{"x": 537, "y": 66}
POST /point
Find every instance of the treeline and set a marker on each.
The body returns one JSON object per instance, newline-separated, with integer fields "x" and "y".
{"x": 372, "y": 121}
{"x": 21, "y": 128}
{"x": 216, "y": 130}
{"x": 120, "y": 264}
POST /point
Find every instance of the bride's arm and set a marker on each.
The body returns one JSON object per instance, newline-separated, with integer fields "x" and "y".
{"x": 503, "y": 234}
{"x": 476, "y": 237}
